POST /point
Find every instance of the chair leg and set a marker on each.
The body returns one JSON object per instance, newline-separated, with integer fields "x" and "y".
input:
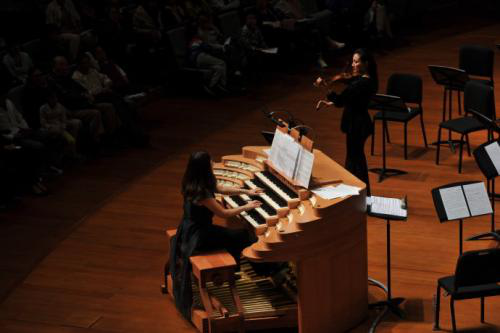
{"x": 459, "y": 102}
{"x": 438, "y": 145}
{"x": 482, "y": 310}
{"x": 468, "y": 144}
{"x": 373, "y": 137}
{"x": 406, "y": 140}
{"x": 423, "y": 128}
{"x": 460, "y": 154}
{"x": 437, "y": 306}
{"x": 452, "y": 308}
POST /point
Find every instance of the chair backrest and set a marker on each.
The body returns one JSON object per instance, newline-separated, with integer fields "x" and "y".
{"x": 480, "y": 98}
{"x": 476, "y": 60}
{"x": 477, "y": 268}
{"x": 406, "y": 86}
{"x": 15, "y": 95}
{"x": 32, "y": 47}
{"x": 230, "y": 23}
{"x": 177, "y": 39}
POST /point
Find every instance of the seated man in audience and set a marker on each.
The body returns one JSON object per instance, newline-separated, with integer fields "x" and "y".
{"x": 220, "y": 46}
{"x": 99, "y": 87}
{"x": 44, "y": 147}
{"x": 253, "y": 42}
{"x": 98, "y": 118}
{"x": 173, "y": 15}
{"x": 63, "y": 14}
{"x": 200, "y": 56}
{"x": 51, "y": 45}
{"x": 53, "y": 118}
{"x": 146, "y": 22}
{"x": 223, "y": 5}
{"x": 194, "y": 8}
{"x": 18, "y": 63}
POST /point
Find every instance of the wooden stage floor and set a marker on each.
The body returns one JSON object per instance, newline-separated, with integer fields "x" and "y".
{"x": 89, "y": 257}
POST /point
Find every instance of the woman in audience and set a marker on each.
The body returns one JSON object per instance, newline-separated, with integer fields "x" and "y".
{"x": 196, "y": 231}
{"x": 361, "y": 83}
{"x": 18, "y": 63}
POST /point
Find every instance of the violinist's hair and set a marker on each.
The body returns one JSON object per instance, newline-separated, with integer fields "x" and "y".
{"x": 371, "y": 66}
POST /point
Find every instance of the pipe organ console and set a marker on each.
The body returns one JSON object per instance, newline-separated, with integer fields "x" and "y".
{"x": 323, "y": 240}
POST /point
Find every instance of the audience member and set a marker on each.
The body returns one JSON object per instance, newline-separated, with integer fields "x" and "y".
{"x": 63, "y": 14}
{"x": 53, "y": 118}
{"x": 172, "y": 15}
{"x": 146, "y": 22}
{"x": 100, "y": 118}
{"x": 223, "y": 5}
{"x": 51, "y": 46}
{"x": 18, "y": 63}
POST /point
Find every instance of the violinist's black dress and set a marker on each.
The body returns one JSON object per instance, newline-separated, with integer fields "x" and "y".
{"x": 356, "y": 123}
{"x": 197, "y": 233}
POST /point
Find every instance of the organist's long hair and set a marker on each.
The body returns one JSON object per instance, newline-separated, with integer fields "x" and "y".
{"x": 199, "y": 178}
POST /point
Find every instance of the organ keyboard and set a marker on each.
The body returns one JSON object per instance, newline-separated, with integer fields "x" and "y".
{"x": 326, "y": 239}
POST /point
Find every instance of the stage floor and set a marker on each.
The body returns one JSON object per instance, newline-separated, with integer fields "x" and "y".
{"x": 89, "y": 257}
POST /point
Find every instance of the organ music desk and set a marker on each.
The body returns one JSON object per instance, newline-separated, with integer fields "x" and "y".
{"x": 324, "y": 239}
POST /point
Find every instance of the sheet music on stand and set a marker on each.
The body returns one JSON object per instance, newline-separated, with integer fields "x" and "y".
{"x": 291, "y": 158}
{"x": 493, "y": 151}
{"x": 462, "y": 201}
{"x": 390, "y": 208}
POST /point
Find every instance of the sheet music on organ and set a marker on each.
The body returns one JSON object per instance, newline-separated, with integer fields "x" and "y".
{"x": 290, "y": 158}
{"x": 465, "y": 200}
{"x": 493, "y": 151}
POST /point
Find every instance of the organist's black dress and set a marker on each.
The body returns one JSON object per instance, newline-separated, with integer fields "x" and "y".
{"x": 197, "y": 233}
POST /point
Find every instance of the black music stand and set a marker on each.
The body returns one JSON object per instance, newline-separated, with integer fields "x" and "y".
{"x": 390, "y": 304}
{"x": 452, "y": 79}
{"x": 442, "y": 213}
{"x": 386, "y": 103}
{"x": 489, "y": 170}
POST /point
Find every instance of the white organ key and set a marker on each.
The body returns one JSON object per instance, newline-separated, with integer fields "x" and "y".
{"x": 245, "y": 215}
{"x": 264, "y": 196}
{"x": 273, "y": 186}
{"x": 261, "y": 211}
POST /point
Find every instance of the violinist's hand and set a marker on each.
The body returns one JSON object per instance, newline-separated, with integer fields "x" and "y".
{"x": 319, "y": 82}
{"x": 255, "y": 191}
{"x": 322, "y": 103}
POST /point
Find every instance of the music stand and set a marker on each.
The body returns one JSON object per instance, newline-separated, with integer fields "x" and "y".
{"x": 490, "y": 171}
{"x": 452, "y": 79}
{"x": 468, "y": 210}
{"x": 390, "y": 304}
{"x": 386, "y": 103}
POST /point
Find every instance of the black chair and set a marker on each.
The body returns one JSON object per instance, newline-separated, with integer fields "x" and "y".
{"x": 478, "y": 97}
{"x": 477, "y": 61}
{"x": 409, "y": 88}
{"x": 477, "y": 275}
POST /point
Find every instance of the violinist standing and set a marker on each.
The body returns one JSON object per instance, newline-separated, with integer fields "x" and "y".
{"x": 361, "y": 83}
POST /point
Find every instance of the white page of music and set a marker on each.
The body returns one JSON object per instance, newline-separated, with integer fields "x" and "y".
{"x": 479, "y": 203}
{"x": 493, "y": 151}
{"x": 454, "y": 202}
{"x": 304, "y": 167}
{"x": 284, "y": 152}
{"x": 388, "y": 206}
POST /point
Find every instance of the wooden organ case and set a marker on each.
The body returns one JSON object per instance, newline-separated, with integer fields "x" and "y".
{"x": 325, "y": 240}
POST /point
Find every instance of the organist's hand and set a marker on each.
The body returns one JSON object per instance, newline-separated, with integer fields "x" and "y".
{"x": 255, "y": 191}
{"x": 252, "y": 204}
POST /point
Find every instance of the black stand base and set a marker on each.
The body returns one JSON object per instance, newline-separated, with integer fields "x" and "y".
{"x": 384, "y": 173}
{"x": 492, "y": 235}
{"x": 391, "y": 304}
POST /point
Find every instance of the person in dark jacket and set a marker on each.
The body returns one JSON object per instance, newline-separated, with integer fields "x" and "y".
{"x": 196, "y": 231}
{"x": 361, "y": 83}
